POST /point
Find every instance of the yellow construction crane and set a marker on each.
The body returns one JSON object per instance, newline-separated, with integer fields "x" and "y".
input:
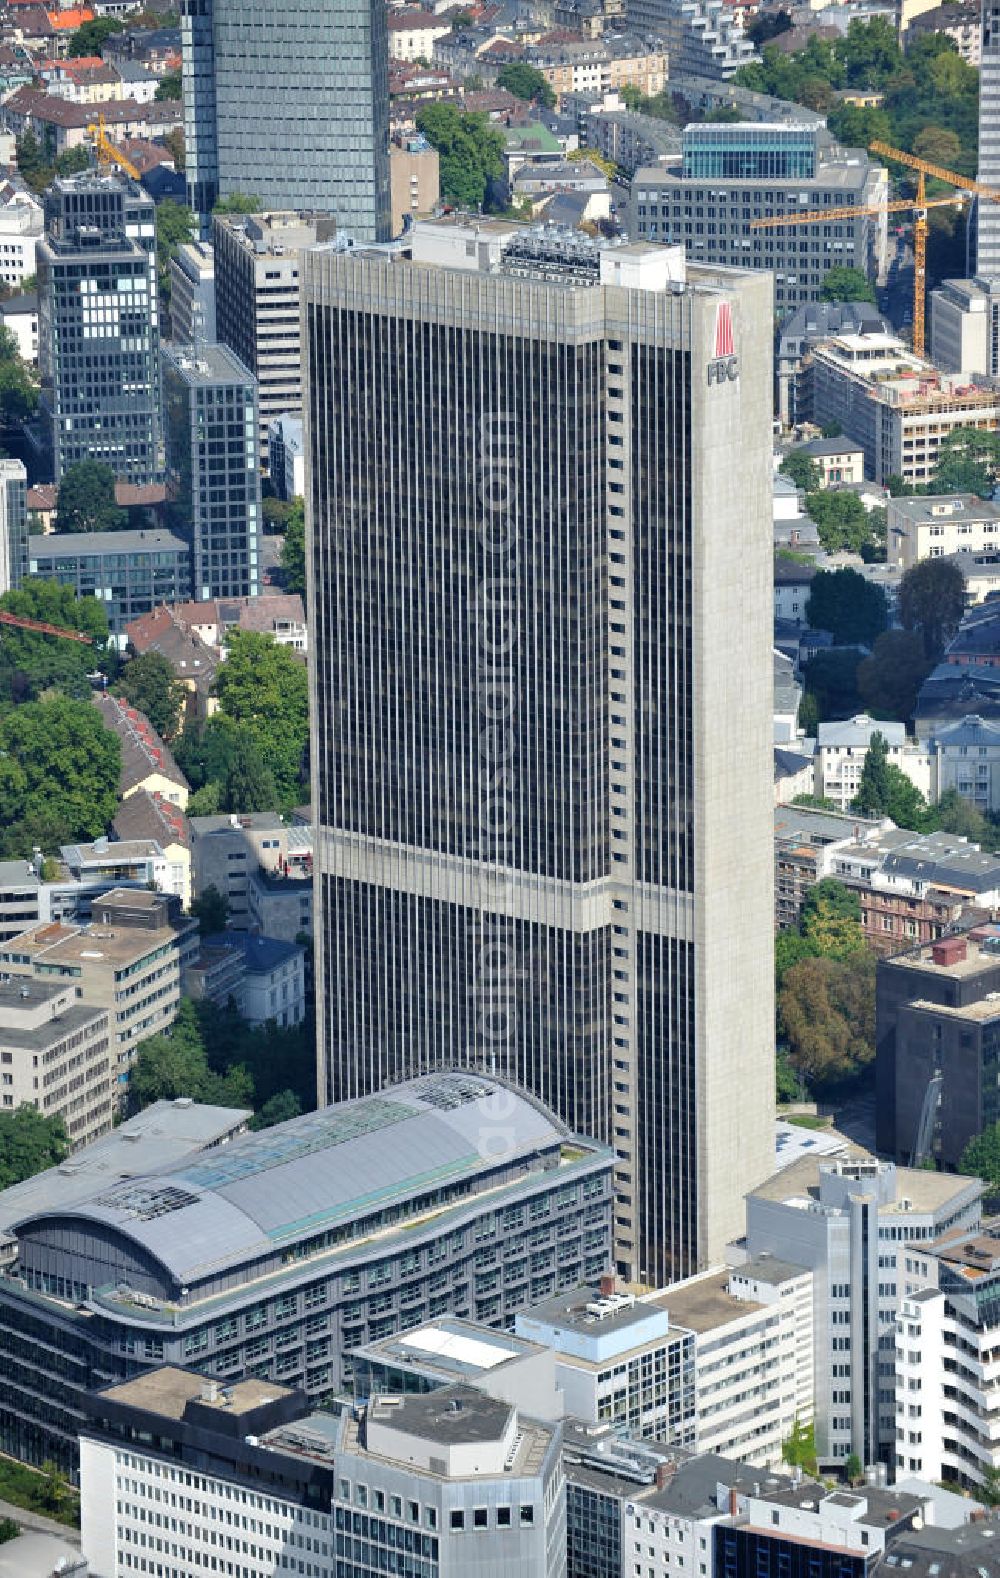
{"x": 918, "y": 205}
{"x": 107, "y": 153}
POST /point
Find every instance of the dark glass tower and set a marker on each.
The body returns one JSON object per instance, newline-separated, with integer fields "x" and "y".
{"x": 541, "y": 664}
{"x": 289, "y": 104}
{"x": 98, "y": 326}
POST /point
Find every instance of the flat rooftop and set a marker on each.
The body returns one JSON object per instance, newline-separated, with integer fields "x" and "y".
{"x": 208, "y": 365}
{"x": 980, "y": 1012}
{"x": 79, "y": 946}
{"x": 168, "y": 1391}
{"x": 586, "y": 1311}
{"x": 35, "y": 1039}
{"x": 970, "y": 1255}
{"x": 451, "y": 1347}
{"x": 921, "y": 1190}
{"x": 978, "y": 959}
{"x": 95, "y": 544}
{"x": 703, "y": 1303}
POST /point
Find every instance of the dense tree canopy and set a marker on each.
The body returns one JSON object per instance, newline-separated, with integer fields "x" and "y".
{"x": 885, "y": 790}
{"x": 29, "y": 1143}
{"x": 90, "y": 37}
{"x": 526, "y": 82}
{"x": 170, "y": 87}
{"x": 847, "y": 605}
{"x": 842, "y": 521}
{"x": 293, "y": 552}
{"x": 470, "y": 151}
{"x": 801, "y": 469}
{"x": 968, "y": 461}
{"x": 226, "y": 768}
{"x": 981, "y": 1157}
{"x": 237, "y": 203}
{"x": 931, "y": 603}
{"x": 827, "y": 1012}
{"x": 888, "y": 680}
{"x": 86, "y": 499}
{"x": 846, "y": 284}
{"x": 31, "y": 661}
{"x": 263, "y": 689}
{"x": 211, "y": 909}
{"x": 59, "y": 771}
{"x": 832, "y": 681}
{"x": 147, "y": 681}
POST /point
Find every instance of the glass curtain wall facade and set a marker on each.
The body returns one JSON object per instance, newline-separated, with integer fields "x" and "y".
{"x": 98, "y": 327}
{"x": 749, "y": 152}
{"x": 988, "y": 214}
{"x": 289, "y": 104}
{"x": 508, "y": 515}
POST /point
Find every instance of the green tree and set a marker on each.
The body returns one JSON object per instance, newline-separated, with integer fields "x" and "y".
{"x": 72, "y": 162}
{"x": 955, "y": 814}
{"x": 831, "y": 920}
{"x": 211, "y": 910}
{"x": 827, "y": 1008}
{"x": 9, "y": 1530}
{"x": 888, "y": 680}
{"x": 526, "y": 82}
{"x": 931, "y": 602}
{"x": 174, "y": 227}
{"x": 967, "y": 462}
{"x": 89, "y": 39}
{"x": 148, "y": 682}
{"x": 841, "y": 521}
{"x": 790, "y": 947}
{"x": 263, "y": 689}
{"x": 853, "y": 1468}
{"x": 847, "y": 605}
{"x": 938, "y": 145}
{"x": 29, "y": 1143}
{"x": 249, "y": 784}
{"x": 173, "y": 141}
{"x": 30, "y": 660}
{"x": 278, "y": 1109}
{"x": 981, "y": 1157}
{"x": 831, "y": 678}
{"x": 802, "y": 470}
{"x": 206, "y": 801}
{"x": 293, "y": 551}
{"x": 799, "y": 1449}
{"x": 846, "y": 284}
{"x": 55, "y": 1490}
{"x": 873, "y": 786}
{"x": 59, "y": 771}
{"x": 237, "y": 203}
{"x": 170, "y": 87}
{"x": 470, "y": 151}
{"x": 275, "y": 513}
{"x": 86, "y": 499}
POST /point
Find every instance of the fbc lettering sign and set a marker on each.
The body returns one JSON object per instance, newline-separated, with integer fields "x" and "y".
{"x": 724, "y": 368}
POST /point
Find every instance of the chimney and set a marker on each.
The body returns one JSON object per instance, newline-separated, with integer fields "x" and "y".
{"x": 664, "y": 1474}
{"x": 733, "y": 1502}
{"x": 606, "y": 1285}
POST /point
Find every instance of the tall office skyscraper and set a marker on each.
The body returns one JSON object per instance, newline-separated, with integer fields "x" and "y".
{"x": 98, "y": 326}
{"x": 289, "y": 103}
{"x": 988, "y": 214}
{"x": 540, "y": 654}
{"x": 213, "y": 478}
{"x": 13, "y": 524}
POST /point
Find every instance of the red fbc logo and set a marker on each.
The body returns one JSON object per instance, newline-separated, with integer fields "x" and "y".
{"x": 724, "y": 345}
{"x": 725, "y": 366}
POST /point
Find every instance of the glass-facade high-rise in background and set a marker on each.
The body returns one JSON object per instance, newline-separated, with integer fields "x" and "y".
{"x": 538, "y": 486}
{"x": 988, "y": 214}
{"x": 289, "y": 104}
{"x": 98, "y": 326}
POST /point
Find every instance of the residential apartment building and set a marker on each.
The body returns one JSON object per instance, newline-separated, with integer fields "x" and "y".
{"x": 704, "y": 38}
{"x": 126, "y": 962}
{"x": 272, "y": 983}
{"x": 939, "y": 525}
{"x": 98, "y": 327}
{"x": 149, "y": 817}
{"x": 601, "y": 65}
{"x": 415, "y": 180}
{"x": 792, "y": 583}
{"x": 412, "y": 33}
{"x": 946, "y": 1343}
{"x": 848, "y": 1222}
{"x": 895, "y": 405}
{"x": 962, "y": 23}
{"x": 627, "y": 138}
{"x": 733, "y": 174}
{"x": 147, "y": 761}
{"x": 257, "y": 264}
{"x": 323, "y": 72}
{"x": 838, "y": 460}
{"x": 936, "y": 1024}
{"x": 55, "y": 1055}
{"x": 21, "y": 227}
{"x": 13, "y": 524}
{"x": 305, "y": 1265}
{"x": 192, "y": 294}
{"x": 642, "y": 995}
{"x": 211, "y": 430}
{"x": 966, "y": 758}
{"x": 131, "y": 572}
{"x": 841, "y": 750}
{"x": 810, "y": 325}
{"x": 229, "y": 852}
